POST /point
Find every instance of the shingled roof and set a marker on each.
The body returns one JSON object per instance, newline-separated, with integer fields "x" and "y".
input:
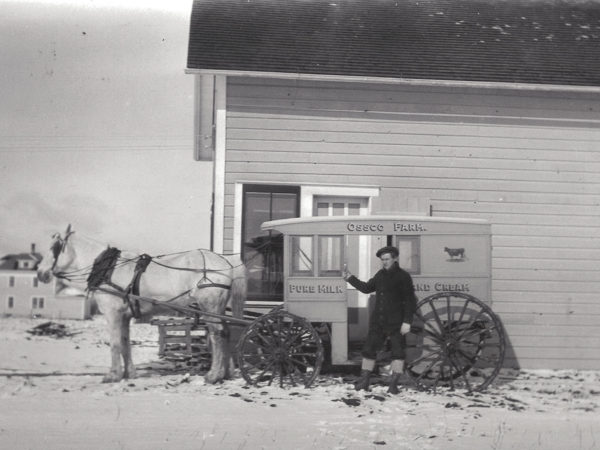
{"x": 507, "y": 41}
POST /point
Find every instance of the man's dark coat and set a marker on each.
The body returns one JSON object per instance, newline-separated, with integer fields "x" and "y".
{"x": 395, "y": 300}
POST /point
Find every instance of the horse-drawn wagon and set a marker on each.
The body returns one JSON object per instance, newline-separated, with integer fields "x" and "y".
{"x": 455, "y": 340}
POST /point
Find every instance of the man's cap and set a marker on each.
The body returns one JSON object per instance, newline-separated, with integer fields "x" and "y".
{"x": 389, "y": 249}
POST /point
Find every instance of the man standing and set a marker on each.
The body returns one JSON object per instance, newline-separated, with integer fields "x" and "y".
{"x": 395, "y": 304}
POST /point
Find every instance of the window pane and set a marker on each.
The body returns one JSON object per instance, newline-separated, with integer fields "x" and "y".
{"x": 284, "y": 205}
{"x": 353, "y": 209}
{"x": 338, "y": 209}
{"x": 41, "y": 302}
{"x": 11, "y": 302}
{"x": 409, "y": 257}
{"x": 263, "y": 250}
{"x": 34, "y": 302}
{"x": 322, "y": 209}
{"x": 331, "y": 255}
{"x": 302, "y": 256}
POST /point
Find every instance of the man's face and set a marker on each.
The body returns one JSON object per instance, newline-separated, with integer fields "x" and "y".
{"x": 387, "y": 260}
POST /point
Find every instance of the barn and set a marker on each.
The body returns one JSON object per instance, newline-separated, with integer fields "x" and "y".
{"x": 466, "y": 109}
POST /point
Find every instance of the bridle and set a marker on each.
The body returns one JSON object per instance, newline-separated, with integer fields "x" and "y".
{"x": 59, "y": 247}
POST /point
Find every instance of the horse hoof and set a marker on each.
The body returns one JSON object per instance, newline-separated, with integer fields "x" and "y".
{"x": 130, "y": 374}
{"x": 111, "y": 378}
{"x": 212, "y": 379}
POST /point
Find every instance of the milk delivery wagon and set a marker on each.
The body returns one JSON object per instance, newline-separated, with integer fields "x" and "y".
{"x": 455, "y": 339}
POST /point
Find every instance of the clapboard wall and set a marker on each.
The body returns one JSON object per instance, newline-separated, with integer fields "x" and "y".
{"x": 527, "y": 161}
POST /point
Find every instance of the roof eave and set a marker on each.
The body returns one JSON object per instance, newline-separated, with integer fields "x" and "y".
{"x": 402, "y": 81}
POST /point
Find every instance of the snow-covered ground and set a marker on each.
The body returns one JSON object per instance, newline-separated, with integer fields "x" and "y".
{"x": 52, "y": 398}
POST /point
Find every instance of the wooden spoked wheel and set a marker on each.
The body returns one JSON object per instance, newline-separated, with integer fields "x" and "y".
{"x": 280, "y": 348}
{"x": 456, "y": 341}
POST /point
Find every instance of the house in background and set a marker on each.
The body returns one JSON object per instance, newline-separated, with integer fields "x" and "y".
{"x": 21, "y": 294}
{"x": 461, "y": 109}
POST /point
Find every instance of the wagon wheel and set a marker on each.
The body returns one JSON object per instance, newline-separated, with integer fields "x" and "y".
{"x": 457, "y": 342}
{"x": 280, "y": 347}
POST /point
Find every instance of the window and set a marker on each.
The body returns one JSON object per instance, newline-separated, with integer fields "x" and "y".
{"x": 262, "y": 251}
{"x": 35, "y": 282}
{"x": 11, "y": 281}
{"x": 37, "y": 302}
{"x": 11, "y": 302}
{"x": 409, "y": 249}
{"x": 331, "y": 256}
{"x": 302, "y": 256}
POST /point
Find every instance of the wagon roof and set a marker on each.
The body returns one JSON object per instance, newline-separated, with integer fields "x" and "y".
{"x": 544, "y": 42}
{"x": 323, "y": 221}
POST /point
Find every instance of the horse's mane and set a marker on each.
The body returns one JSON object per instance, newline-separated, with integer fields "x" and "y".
{"x": 103, "y": 267}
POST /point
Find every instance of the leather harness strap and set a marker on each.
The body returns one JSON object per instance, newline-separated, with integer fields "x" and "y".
{"x": 104, "y": 266}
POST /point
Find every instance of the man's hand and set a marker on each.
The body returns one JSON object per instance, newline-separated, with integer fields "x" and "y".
{"x": 405, "y": 328}
{"x": 346, "y": 273}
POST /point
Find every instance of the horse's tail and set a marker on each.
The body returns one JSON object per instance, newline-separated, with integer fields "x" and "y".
{"x": 239, "y": 289}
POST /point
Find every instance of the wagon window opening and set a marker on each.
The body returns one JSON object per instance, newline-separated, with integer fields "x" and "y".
{"x": 262, "y": 251}
{"x": 409, "y": 257}
{"x": 331, "y": 256}
{"x": 302, "y": 256}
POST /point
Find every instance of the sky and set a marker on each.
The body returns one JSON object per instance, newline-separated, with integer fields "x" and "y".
{"x": 96, "y": 126}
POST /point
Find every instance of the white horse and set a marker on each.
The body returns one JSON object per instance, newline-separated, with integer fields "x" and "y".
{"x": 200, "y": 278}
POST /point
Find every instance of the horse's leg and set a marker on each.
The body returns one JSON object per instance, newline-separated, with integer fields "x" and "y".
{"x": 115, "y": 329}
{"x": 218, "y": 342}
{"x": 113, "y": 310}
{"x": 128, "y": 366}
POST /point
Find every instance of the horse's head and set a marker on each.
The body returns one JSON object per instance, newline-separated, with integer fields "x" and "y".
{"x": 58, "y": 258}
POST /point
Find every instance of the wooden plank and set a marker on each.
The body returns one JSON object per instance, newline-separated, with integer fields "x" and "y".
{"x": 573, "y": 287}
{"x": 320, "y": 90}
{"x": 389, "y": 138}
{"x": 442, "y": 104}
{"x": 592, "y": 276}
{"x": 557, "y": 308}
{"x": 558, "y": 363}
{"x": 298, "y": 122}
{"x": 588, "y": 265}
{"x": 534, "y": 297}
{"x": 516, "y": 208}
{"x": 549, "y": 319}
{"x": 576, "y": 153}
{"x": 537, "y": 333}
{"x": 569, "y": 353}
{"x": 417, "y": 177}
{"x": 532, "y": 241}
{"x": 470, "y": 167}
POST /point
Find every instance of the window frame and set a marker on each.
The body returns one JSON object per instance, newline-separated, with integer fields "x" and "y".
{"x": 270, "y": 189}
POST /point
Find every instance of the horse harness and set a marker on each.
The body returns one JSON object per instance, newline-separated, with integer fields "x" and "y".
{"x": 105, "y": 264}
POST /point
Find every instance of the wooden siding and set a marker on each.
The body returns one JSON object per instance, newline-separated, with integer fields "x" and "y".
{"x": 529, "y": 162}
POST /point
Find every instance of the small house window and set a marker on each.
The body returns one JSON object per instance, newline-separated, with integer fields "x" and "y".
{"x": 301, "y": 256}
{"x": 37, "y": 302}
{"x": 11, "y": 302}
{"x": 409, "y": 249}
{"x": 11, "y": 281}
{"x": 41, "y": 303}
{"x": 35, "y": 282}
{"x": 34, "y": 302}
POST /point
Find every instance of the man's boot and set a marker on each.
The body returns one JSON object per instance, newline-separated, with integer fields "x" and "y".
{"x": 397, "y": 369}
{"x": 364, "y": 380}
